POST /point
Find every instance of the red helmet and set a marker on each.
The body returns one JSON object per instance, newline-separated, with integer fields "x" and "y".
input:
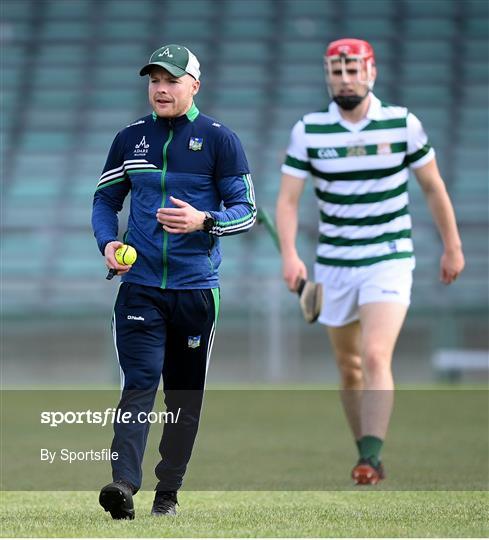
{"x": 350, "y": 49}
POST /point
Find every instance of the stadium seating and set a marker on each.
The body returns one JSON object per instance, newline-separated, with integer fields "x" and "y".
{"x": 69, "y": 83}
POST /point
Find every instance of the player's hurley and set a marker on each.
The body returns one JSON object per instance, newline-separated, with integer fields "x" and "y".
{"x": 310, "y": 299}
{"x": 111, "y": 273}
{"x": 310, "y": 293}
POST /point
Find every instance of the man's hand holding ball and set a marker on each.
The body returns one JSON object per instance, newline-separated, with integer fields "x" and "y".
{"x": 119, "y": 258}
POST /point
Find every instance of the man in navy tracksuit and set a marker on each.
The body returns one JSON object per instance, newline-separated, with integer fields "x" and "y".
{"x": 189, "y": 182}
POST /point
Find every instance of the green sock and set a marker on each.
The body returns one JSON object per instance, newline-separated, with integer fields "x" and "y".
{"x": 357, "y": 442}
{"x": 370, "y": 447}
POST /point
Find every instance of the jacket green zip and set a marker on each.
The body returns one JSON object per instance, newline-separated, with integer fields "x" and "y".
{"x": 163, "y": 189}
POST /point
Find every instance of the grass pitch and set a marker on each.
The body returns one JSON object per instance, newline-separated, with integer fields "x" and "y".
{"x": 362, "y": 513}
{"x": 260, "y": 440}
{"x": 296, "y": 443}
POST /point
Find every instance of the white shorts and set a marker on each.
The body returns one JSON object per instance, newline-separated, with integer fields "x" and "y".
{"x": 345, "y": 288}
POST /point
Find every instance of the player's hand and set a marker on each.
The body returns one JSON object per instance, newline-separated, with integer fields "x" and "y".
{"x": 451, "y": 265}
{"x": 293, "y": 270}
{"x": 182, "y": 219}
{"x": 110, "y": 259}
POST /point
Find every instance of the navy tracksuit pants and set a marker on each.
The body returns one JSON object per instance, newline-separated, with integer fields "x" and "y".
{"x": 161, "y": 333}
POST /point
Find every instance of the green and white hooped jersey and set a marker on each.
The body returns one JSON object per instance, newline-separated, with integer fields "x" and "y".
{"x": 360, "y": 174}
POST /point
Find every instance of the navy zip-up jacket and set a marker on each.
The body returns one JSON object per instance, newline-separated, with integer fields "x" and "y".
{"x": 193, "y": 158}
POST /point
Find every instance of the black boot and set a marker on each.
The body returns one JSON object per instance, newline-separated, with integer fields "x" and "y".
{"x": 165, "y": 503}
{"x": 116, "y": 498}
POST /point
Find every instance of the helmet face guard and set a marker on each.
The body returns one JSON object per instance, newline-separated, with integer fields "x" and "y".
{"x": 365, "y": 67}
{"x": 348, "y": 50}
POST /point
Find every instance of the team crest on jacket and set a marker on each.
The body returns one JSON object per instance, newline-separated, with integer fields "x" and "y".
{"x": 141, "y": 149}
{"x": 193, "y": 342}
{"x": 195, "y": 143}
{"x": 357, "y": 150}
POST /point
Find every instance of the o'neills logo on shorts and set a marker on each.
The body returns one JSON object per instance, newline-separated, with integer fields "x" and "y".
{"x": 135, "y": 318}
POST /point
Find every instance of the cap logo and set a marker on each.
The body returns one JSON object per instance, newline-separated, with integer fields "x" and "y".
{"x": 166, "y": 52}
{"x": 176, "y": 59}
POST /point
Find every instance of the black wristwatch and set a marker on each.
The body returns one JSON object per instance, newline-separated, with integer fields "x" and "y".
{"x": 209, "y": 222}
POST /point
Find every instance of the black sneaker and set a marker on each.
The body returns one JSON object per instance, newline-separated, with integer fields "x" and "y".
{"x": 165, "y": 504}
{"x": 116, "y": 498}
